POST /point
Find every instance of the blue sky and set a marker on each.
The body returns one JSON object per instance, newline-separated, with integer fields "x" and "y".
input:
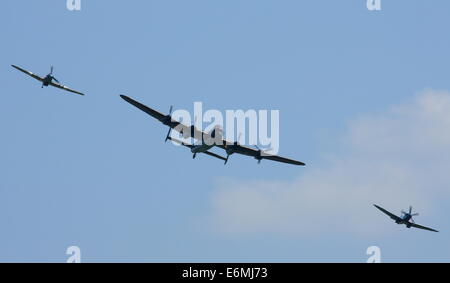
{"x": 95, "y": 172}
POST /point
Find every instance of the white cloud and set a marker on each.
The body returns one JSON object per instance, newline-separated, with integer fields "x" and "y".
{"x": 396, "y": 158}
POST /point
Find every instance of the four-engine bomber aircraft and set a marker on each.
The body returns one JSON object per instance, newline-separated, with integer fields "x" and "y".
{"x": 214, "y": 135}
{"x": 406, "y": 218}
{"x": 47, "y": 80}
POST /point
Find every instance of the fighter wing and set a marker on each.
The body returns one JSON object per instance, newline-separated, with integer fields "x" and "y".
{"x": 191, "y": 146}
{"x": 65, "y": 88}
{"x": 391, "y": 215}
{"x": 423, "y": 227}
{"x": 28, "y": 73}
{"x": 188, "y": 131}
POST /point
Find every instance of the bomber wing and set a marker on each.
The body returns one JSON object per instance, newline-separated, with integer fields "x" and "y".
{"x": 188, "y": 131}
{"x": 191, "y": 146}
{"x": 258, "y": 154}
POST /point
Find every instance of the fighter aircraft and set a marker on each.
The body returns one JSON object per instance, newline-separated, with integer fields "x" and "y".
{"x": 47, "y": 80}
{"x": 207, "y": 140}
{"x": 406, "y": 218}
